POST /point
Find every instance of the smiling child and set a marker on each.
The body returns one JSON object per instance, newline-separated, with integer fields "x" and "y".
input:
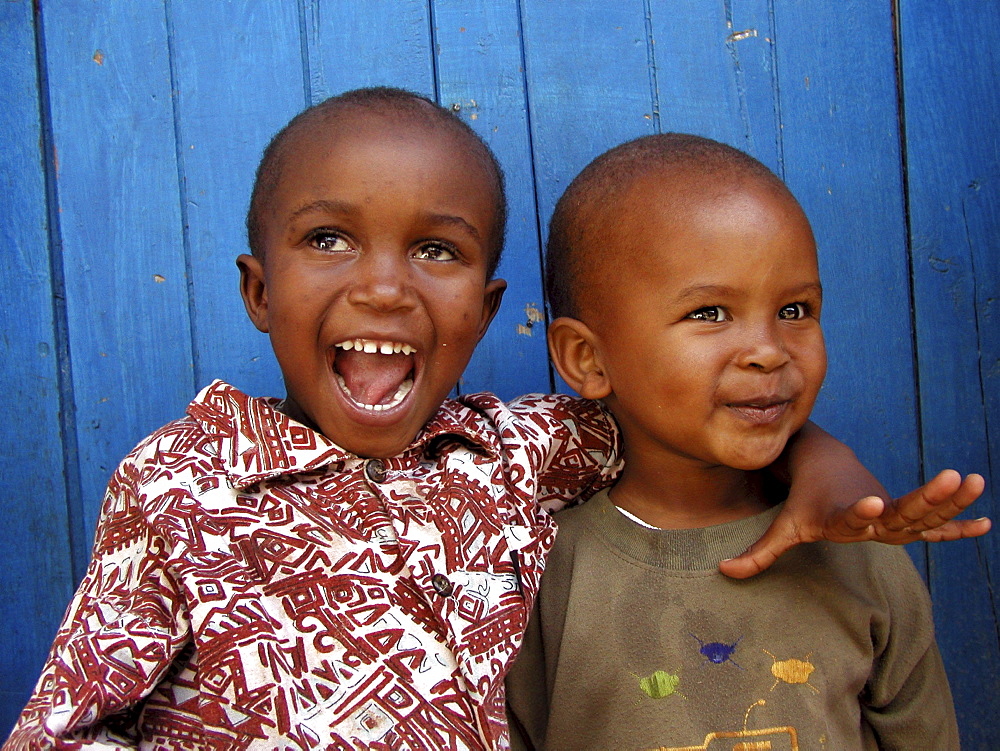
{"x": 706, "y": 347}
{"x": 353, "y": 566}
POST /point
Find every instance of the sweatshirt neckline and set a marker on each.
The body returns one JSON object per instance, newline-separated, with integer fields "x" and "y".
{"x": 697, "y": 549}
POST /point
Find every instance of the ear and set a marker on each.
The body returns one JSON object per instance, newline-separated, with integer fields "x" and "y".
{"x": 253, "y": 289}
{"x": 491, "y": 303}
{"x": 572, "y": 347}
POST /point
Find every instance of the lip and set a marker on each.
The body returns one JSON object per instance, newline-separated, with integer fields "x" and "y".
{"x": 762, "y": 411}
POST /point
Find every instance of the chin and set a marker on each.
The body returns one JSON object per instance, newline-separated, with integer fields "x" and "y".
{"x": 751, "y": 461}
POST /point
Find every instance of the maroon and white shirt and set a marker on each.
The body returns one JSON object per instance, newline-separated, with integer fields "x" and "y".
{"x": 254, "y": 586}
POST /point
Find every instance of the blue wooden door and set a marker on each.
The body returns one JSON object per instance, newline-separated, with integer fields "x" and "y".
{"x": 131, "y": 131}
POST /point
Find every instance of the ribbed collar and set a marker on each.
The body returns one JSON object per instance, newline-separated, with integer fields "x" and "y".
{"x": 257, "y": 442}
{"x": 676, "y": 549}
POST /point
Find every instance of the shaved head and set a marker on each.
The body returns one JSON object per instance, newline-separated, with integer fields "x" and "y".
{"x": 590, "y": 212}
{"x": 404, "y": 110}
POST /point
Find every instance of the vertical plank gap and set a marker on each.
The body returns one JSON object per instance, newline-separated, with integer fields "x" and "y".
{"x": 654, "y": 87}
{"x": 432, "y": 37}
{"x": 79, "y": 549}
{"x": 975, "y": 319}
{"x": 897, "y": 49}
{"x": 534, "y": 180}
{"x": 772, "y": 49}
{"x": 196, "y": 374}
{"x": 305, "y": 50}
{"x": 741, "y": 89}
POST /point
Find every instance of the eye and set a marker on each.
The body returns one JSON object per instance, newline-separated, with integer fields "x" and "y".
{"x": 712, "y": 314}
{"x": 793, "y": 312}
{"x": 435, "y": 252}
{"x": 329, "y": 241}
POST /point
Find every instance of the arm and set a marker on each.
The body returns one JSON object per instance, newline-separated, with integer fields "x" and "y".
{"x": 119, "y": 636}
{"x": 826, "y": 482}
{"x": 906, "y": 702}
{"x": 570, "y": 446}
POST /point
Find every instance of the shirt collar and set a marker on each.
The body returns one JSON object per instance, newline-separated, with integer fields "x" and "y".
{"x": 257, "y": 442}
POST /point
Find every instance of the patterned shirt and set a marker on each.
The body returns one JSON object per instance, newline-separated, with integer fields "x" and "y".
{"x": 255, "y": 586}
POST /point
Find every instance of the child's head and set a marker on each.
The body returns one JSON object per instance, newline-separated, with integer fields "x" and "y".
{"x": 375, "y": 225}
{"x": 687, "y": 279}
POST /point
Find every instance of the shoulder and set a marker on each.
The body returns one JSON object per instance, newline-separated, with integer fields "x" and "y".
{"x": 577, "y": 523}
{"x": 874, "y": 572}
{"x": 182, "y": 438}
{"x": 221, "y": 423}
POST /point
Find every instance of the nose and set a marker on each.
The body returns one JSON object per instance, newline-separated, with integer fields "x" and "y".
{"x": 382, "y": 282}
{"x": 763, "y": 347}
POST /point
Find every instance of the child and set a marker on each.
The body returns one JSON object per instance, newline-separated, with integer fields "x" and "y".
{"x": 687, "y": 277}
{"x": 353, "y": 566}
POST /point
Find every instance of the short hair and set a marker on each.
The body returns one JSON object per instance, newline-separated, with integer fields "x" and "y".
{"x": 603, "y": 183}
{"x": 408, "y": 107}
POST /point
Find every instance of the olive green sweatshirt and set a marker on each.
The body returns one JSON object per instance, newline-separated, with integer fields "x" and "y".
{"x": 637, "y": 642}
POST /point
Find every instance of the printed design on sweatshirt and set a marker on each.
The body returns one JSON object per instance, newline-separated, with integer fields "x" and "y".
{"x": 792, "y": 671}
{"x": 783, "y": 738}
{"x": 716, "y": 652}
{"x": 660, "y": 684}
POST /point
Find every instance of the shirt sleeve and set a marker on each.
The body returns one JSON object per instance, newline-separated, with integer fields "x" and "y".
{"x": 119, "y": 636}
{"x": 576, "y": 448}
{"x": 907, "y": 702}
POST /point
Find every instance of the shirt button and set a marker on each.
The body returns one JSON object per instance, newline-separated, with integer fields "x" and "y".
{"x": 441, "y": 585}
{"x": 375, "y": 470}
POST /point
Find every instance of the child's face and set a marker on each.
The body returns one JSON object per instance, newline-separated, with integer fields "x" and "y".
{"x": 710, "y": 336}
{"x": 377, "y": 237}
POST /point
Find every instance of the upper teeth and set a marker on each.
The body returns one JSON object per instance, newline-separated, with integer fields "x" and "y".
{"x": 371, "y": 346}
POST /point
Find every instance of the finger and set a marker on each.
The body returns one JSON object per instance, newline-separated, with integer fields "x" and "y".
{"x": 946, "y": 507}
{"x": 855, "y": 522}
{"x": 957, "y": 530}
{"x": 910, "y": 510}
{"x": 778, "y": 538}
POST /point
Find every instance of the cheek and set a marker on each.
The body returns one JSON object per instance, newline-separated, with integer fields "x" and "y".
{"x": 458, "y": 312}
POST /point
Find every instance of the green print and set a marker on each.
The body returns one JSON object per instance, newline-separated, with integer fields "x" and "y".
{"x": 660, "y": 685}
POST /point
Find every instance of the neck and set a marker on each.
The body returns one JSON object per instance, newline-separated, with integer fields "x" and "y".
{"x": 683, "y": 493}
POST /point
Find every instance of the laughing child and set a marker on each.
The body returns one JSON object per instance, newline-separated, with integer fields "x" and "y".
{"x": 352, "y": 566}
{"x": 687, "y": 279}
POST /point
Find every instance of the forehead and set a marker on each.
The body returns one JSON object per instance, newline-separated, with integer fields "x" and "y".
{"x": 674, "y": 230}
{"x": 363, "y": 142}
{"x": 697, "y": 207}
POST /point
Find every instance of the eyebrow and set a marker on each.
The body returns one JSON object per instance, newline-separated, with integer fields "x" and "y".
{"x": 342, "y": 207}
{"x": 721, "y": 290}
{"x": 332, "y": 207}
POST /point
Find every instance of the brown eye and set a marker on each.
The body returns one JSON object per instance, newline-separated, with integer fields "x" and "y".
{"x": 435, "y": 252}
{"x": 712, "y": 314}
{"x": 793, "y": 312}
{"x": 329, "y": 242}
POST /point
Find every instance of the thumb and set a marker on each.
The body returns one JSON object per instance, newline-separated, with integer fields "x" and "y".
{"x": 779, "y": 537}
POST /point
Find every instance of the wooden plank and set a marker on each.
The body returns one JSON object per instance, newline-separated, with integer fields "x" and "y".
{"x": 36, "y": 575}
{"x": 589, "y": 88}
{"x": 952, "y": 104}
{"x": 588, "y": 83}
{"x": 840, "y": 149}
{"x": 239, "y": 76}
{"x": 375, "y": 43}
{"x": 702, "y": 67}
{"x": 480, "y": 76}
{"x": 126, "y": 291}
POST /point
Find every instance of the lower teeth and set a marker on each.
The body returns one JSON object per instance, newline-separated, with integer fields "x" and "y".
{"x": 401, "y": 392}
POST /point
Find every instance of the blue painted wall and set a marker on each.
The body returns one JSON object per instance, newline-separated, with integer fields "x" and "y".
{"x": 130, "y": 132}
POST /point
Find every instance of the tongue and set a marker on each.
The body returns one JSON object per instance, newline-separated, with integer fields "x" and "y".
{"x": 372, "y": 378}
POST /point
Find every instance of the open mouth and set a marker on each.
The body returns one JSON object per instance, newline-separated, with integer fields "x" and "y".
{"x": 375, "y": 375}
